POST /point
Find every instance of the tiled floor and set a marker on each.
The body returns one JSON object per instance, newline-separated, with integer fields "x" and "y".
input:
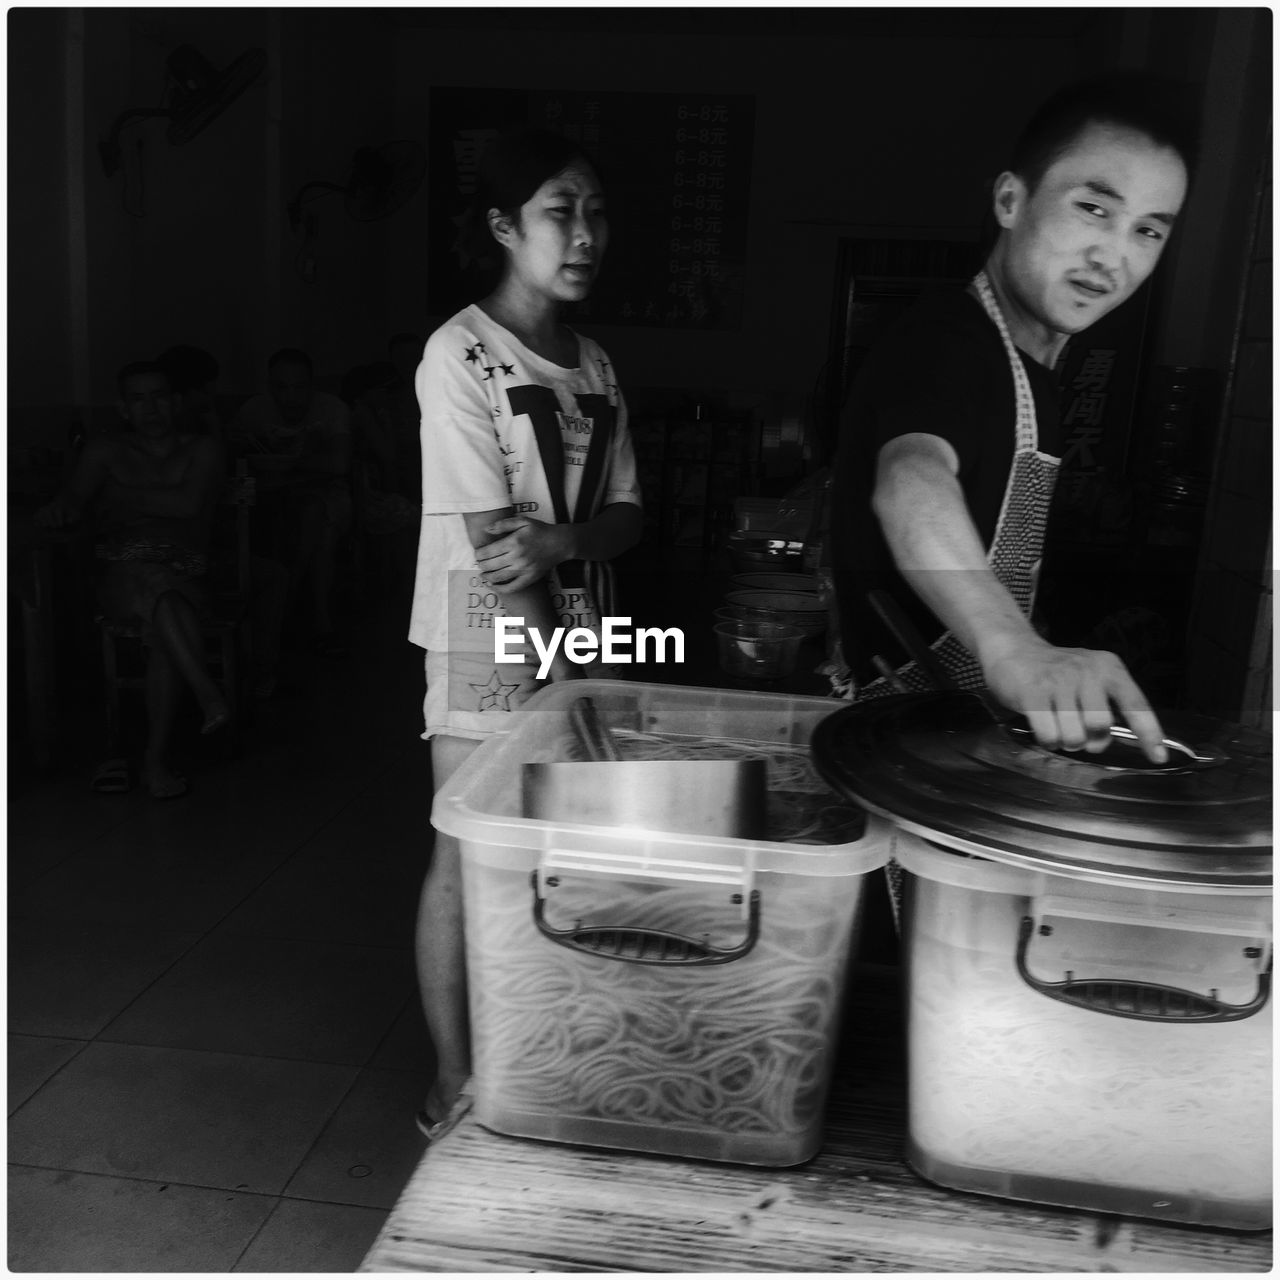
{"x": 215, "y": 1047}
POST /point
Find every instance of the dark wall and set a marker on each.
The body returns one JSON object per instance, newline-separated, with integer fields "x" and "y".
{"x": 865, "y": 120}
{"x": 862, "y": 121}
{"x": 38, "y": 209}
{"x": 187, "y": 243}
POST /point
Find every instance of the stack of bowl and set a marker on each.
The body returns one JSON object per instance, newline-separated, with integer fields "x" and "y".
{"x": 763, "y": 622}
{"x": 802, "y": 609}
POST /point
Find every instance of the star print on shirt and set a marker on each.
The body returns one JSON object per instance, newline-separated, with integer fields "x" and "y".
{"x": 488, "y": 370}
{"x": 508, "y": 369}
{"x": 493, "y": 693}
{"x": 473, "y": 353}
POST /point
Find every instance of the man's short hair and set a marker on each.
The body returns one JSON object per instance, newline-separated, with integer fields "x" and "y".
{"x": 291, "y": 355}
{"x": 188, "y": 367}
{"x": 137, "y": 369}
{"x": 1162, "y": 109}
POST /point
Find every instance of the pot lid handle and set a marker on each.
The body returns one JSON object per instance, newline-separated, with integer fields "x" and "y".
{"x": 1124, "y": 753}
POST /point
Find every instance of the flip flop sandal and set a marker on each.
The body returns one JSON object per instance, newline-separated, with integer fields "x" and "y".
{"x": 429, "y": 1128}
{"x": 180, "y": 789}
{"x": 112, "y": 776}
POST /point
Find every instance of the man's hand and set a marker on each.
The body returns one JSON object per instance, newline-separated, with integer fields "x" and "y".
{"x": 1067, "y": 695}
{"x": 524, "y": 552}
{"x": 57, "y": 514}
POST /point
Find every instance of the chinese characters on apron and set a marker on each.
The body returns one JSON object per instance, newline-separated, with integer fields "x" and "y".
{"x": 1018, "y": 543}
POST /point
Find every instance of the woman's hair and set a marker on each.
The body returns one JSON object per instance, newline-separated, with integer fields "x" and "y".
{"x": 511, "y": 169}
{"x": 1162, "y": 109}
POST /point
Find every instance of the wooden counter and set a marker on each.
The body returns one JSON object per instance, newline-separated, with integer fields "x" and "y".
{"x": 481, "y": 1202}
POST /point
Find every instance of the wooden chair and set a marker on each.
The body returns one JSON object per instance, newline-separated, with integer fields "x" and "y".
{"x": 226, "y": 632}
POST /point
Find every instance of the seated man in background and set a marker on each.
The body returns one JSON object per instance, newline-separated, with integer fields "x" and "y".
{"x": 298, "y": 440}
{"x": 387, "y": 518}
{"x": 153, "y": 491}
{"x": 193, "y": 376}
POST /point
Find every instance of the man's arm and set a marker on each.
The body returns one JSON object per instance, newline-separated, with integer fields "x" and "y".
{"x": 524, "y": 550}
{"x": 525, "y": 596}
{"x": 1065, "y": 694}
{"x": 87, "y": 478}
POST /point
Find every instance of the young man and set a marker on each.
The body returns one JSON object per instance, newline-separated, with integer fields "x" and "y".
{"x": 949, "y": 440}
{"x": 301, "y": 439}
{"x": 153, "y": 491}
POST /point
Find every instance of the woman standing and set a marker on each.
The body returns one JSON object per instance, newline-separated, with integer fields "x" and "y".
{"x": 529, "y": 490}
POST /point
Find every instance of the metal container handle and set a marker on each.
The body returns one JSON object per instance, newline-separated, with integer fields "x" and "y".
{"x": 1144, "y": 1001}
{"x": 646, "y": 946}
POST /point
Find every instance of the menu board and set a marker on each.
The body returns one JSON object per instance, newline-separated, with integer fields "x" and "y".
{"x": 676, "y": 169}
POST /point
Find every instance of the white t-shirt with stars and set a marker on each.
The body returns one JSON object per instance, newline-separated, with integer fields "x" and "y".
{"x": 501, "y": 426}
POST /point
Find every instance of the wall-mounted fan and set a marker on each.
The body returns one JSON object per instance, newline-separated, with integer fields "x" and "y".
{"x": 198, "y": 95}
{"x": 382, "y": 179}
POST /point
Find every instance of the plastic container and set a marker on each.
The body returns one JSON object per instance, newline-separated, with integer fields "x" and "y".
{"x": 757, "y": 649}
{"x": 590, "y": 1026}
{"x": 1098, "y": 1044}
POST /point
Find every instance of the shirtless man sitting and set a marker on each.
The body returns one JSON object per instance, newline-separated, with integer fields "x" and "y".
{"x": 303, "y": 435}
{"x": 153, "y": 491}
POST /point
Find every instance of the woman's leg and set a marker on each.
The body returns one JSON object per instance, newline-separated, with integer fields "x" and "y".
{"x": 177, "y": 628}
{"x": 442, "y": 975}
{"x": 163, "y": 688}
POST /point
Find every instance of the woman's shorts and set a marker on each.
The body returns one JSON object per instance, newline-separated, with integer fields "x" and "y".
{"x": 128, "y": 591}
{"x": 471, "y": 696}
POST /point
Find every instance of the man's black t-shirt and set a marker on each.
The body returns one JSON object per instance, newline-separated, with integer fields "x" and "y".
{"x": 942, "y": 370}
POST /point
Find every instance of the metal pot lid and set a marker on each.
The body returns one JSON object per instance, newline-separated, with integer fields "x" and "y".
{"x": 937, "y": 764}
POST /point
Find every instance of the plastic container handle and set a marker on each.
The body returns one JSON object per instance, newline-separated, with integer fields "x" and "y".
{"x": 1145, "y": 1001}
{"x": 646, "y": 946}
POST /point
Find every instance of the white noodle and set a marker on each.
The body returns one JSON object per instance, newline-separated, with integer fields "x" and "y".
{"x": 1002, "y": 1077}
{"x": 740, "y": 1047}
